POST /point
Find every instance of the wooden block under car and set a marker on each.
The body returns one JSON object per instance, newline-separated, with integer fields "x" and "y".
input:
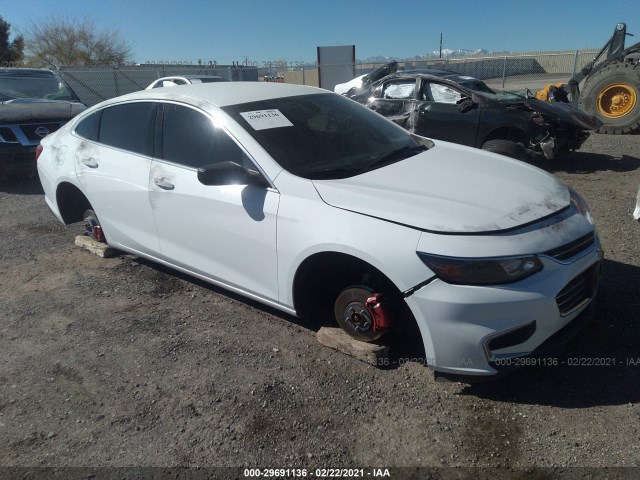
{"x": 336, "y": 338}
{"x": 98, "y": 248}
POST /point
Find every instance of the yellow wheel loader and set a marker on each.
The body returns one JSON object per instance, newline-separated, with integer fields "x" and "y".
{"x": 610, "y": 88}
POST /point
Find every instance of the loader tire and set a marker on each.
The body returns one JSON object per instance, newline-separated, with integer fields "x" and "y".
{"x": 613, "y": 96}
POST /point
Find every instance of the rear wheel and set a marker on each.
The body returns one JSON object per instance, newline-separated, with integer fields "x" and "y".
{"x": 507, "y": 148}
{"x": 612, "y": 94}
{"x": 92, "y": 227}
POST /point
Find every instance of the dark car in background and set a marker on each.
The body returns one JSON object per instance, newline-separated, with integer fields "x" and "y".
{"x": 448, "y": 106}
{"x": 33, "y": 104}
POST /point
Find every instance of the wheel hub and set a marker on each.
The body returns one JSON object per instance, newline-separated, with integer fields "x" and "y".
{"x": 358, "y": 316}
{"x": 617, "y": 100}
{"x": 359, "y": 311}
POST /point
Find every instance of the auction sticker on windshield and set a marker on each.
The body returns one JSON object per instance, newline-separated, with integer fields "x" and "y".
{"x": 264, "y": 119}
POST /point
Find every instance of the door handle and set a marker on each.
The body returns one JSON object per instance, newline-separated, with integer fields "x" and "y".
{"x": 162, "y": 183}
{"x": 89, "y": 162}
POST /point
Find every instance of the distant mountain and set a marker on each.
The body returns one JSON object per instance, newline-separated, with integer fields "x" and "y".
{"x": 446, "y": 53}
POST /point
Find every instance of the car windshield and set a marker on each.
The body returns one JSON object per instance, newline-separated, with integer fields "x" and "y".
{"x": 324, "y": 136}
{"x": 47, "y": 88}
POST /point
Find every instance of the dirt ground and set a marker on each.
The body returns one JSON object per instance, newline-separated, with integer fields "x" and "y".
{"x": 119, "y": 362}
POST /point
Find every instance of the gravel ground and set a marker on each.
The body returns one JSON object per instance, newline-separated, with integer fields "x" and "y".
{"x": 119, "y": 362}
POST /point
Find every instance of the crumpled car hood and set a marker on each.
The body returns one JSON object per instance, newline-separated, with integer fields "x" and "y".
{"x": 564, "y": 113}
{"x": 451, "y": 189}
{"x": 25, "y": 111}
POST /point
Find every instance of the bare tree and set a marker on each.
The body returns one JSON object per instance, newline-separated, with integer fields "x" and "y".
{"x": 10, "y": 52}
{"x": 61, "y": 41}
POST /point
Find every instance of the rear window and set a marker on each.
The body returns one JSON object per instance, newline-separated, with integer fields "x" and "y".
{"x": 129, "y": 126}
{"x": 88, "y": 126}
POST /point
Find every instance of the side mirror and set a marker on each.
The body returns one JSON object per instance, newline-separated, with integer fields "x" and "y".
{"x": 229, "y": 173}
{"x": 465, "y": 104}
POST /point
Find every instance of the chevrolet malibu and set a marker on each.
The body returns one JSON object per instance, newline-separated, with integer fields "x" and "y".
{"x": 311, "y": 203}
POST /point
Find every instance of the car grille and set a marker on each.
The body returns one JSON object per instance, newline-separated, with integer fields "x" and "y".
{"x": 571, "y": 249}
{"x": 578, "y": 291}
{"x": 30, "y": 130}
{"x": 27, "y": 134}
{"x": 7, "y": 135}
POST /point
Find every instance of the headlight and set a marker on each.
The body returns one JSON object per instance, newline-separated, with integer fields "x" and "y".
{"x": 482, "y": 271}
{"x": 580, "y": 204}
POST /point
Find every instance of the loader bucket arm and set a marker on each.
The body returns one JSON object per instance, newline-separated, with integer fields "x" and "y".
{"x": 614, "y": 48}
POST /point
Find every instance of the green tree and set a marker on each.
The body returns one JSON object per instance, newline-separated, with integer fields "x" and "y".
{"x": 10, "y": 52}
{"x": 60, "y": 41}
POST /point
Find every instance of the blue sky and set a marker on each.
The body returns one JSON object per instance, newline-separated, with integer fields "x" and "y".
{"x": 269, "y": 30}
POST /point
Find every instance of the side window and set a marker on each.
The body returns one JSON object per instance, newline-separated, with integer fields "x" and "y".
{"x": 129, "y": 127}
{"x": 88, "y": 126}
{"x": 189, "y": 138}
{"x": 441, "y": 93}
{"x": 399, "y": 89}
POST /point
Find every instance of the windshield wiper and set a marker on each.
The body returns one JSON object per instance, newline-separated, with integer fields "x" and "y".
{"x": 329, "y": 173}
{"x": 394, "y": 156}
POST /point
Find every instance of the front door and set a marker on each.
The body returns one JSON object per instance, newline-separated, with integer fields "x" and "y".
{"x": 225, "y": 233}
{"x": 437, "y": 115}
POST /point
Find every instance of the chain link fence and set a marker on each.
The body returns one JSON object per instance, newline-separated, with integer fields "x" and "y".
{"x": 95, "y": 84}
{"x": 515, "y": 72}
{"x": 510, "y": 72}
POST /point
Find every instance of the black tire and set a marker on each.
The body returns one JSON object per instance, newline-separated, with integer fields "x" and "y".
{"x": 90, "y": 221}
{"x": 507, "y": 148}
{"x": 618, "y": 73}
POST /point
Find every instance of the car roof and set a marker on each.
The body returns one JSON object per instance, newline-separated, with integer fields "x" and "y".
{"x": 222, "y": 94}
{"x": 188, "y": 77}
{"x": 446, "y": 74}
{"x": 26, "y": 72}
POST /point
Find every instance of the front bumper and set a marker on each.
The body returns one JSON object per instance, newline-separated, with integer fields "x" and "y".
{"x": 17, "y": 160}
{"x": 544, "y": 355}
{"x": 472, "y": 332}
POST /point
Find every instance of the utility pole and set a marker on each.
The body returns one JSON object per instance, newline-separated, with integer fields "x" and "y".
{"x": 440, "y": 44}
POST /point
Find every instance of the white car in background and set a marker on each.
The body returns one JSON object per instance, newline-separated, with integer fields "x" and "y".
{"x": 184, "y": 80}
{"x": 313, "y": 204}
{"x": 636, "y": 212}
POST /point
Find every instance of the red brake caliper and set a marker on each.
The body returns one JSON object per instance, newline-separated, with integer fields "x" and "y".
{"x": 381, "y": 319}
{"x": 98, "y": 234}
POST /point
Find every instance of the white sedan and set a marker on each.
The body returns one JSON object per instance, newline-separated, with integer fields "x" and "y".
{"x": 313, "y": 204}
{"x": 184, "y": 80}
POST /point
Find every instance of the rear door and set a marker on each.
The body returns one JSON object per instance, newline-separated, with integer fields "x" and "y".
{"x": 225, "y": 233}
{"x": 395, "y": 99}
{"x": 113, "y": 162}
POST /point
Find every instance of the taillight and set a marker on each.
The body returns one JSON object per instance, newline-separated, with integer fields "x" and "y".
{"x": 39, "y": 149}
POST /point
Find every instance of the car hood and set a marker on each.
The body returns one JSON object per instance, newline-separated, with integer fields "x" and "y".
{"x": 451, "y": 189}
{"x": 564, "y": 113}
{"x": 24, "y": 110}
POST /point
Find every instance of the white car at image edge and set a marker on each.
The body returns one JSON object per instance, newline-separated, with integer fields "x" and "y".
{"x": 177, "y": 80}
{"x": 313, "y": 204}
